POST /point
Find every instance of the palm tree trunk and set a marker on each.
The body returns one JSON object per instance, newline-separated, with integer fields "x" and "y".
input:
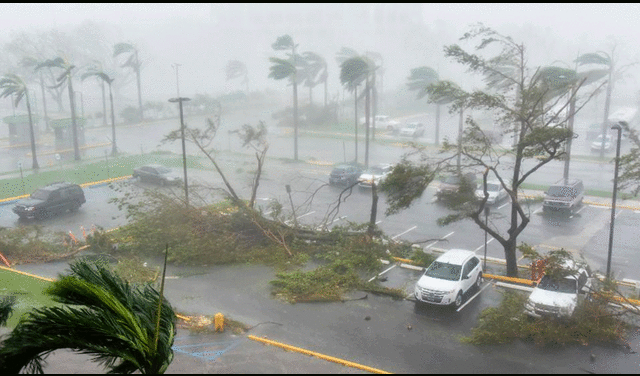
{"x": 74, "y": 128}
{"x": 325, "y": 93}
{"x": 437, "y": 124}
{"x": 607, "y": 103}
{"x": 34, "y": 163}
{"x": 567, "y": 161}
{"x": 44, "y": 104}
{"x": 310, "y": 96}
{"x": 114, "y": 148}
{"x": 374, "y": 208}
{"x": 104, "y": 104}
{"x": 138, "y": 83}
{"x": 295, "y": 120}
{"x": 367, "y": 106}
{"x": 355, "y": 93}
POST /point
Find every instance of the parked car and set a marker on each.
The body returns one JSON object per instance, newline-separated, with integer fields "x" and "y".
{"x": 452, "y": 184}
{"x": 413, "y": 130}
{"x": 597, "y": 144}
{"x": 559, "y": 297}
{"x": 375, "y": 174}
{"x": 50, "y": 200}
{"x": 563, "y": 195}
{"x": 449, "y": 278}
{"x": 495, "y": 190}
{"x": 345, "y": 174}
{"x": 157, "y": 174}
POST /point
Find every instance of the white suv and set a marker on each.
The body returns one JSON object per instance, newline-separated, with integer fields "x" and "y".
{"x": 449, "y": 277}
{"x": 558, "y": 298}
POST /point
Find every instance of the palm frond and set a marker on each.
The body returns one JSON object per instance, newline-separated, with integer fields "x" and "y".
{"x": 593, "y": 58}
{"x": 353, "y": 71}
{"x": 284, "y": 42}
{"x": 281, "y": 69}
{"x": 121, "y": 48}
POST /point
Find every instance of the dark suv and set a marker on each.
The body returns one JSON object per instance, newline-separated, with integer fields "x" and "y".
{"x": 345, "y": 174}
{"x": 563, "y": 195}
{"x": 49, "y": 200}
{"x": 452, "y": 183}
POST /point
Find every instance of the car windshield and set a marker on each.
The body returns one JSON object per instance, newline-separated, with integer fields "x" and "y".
{"x": 566, "y": 285}
{"x": 561, "y": 191}
{"x": 411, "y": 126}
{"x": 493, "y": 187}
{"x": 40, "y": 194}
{"x": 443, "y": 270}
{"x": 375, "y": 171}
{"x": 163, "y": 170}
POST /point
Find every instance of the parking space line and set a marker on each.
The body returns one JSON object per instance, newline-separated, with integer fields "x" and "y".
{"x": 537, "y": 210}
{"x": 311, "y": 212}
{"x": 378, "y": 221}
{"x": 473, "y": 297}
{"x": 444, "y": 237}
{"x": 482, "y": 246}
{"x": 618, "y": 213}
{"x": 382, "y": 272}
{"x": 402, "y": 233}
{"x": 598, "y": 206}
{"x": 581, "y": 209}
{"x": 505, "y": 204}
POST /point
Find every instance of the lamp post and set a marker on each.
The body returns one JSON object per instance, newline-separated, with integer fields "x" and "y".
{"x": 617, "y": 127}
{"x": 486, "y": 221}
{"x": 184, "y": 154}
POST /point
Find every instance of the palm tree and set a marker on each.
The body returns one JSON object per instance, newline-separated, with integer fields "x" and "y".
{"x": 287, "y": 69}
{"x": 104, "y": 78}
{"x": 235, "y": 69}
{"x": 352, "y": 72}
{"x": 32, "y": 62}
{"x": 6, "y": 308}
{"x": 65, "y": 78}
{"x": 103, "y": 316}
{"x": 134, "y": 63}
{"x": 315, "y": 72}
{"x": 377, "y": 71}
{"x": 418, "y": 80}
{"x": 12, "y": 84}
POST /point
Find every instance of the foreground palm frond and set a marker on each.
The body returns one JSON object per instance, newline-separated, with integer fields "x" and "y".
{"x": 103, "y": 316}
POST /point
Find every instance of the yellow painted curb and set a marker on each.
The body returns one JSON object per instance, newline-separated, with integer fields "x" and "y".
{"x": 318, "y": 355}
{"x": 403, "y": 260}
{"x": 14, "y": 198}
{"x": 509, "y": 279}
{"x": 105, "y": 181}
{"x": 27, "y": 274}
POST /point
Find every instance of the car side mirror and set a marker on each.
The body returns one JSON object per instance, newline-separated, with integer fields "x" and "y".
{"x": 466, "y": 277}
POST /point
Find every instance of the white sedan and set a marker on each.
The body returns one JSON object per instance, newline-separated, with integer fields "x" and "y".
{"x": 375, "y": 174}
{"x": 495, "y": 190}
{"x": 413, "y": 130}
{"x": 597, "y": 144}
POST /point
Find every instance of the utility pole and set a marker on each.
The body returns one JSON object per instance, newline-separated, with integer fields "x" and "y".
{"x": 180, "y": 99}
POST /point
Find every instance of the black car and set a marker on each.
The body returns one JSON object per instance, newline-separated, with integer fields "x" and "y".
{"x": 345, "y": 174}
{"x": 157, "y": 174}
{"x": 52, "y": 199}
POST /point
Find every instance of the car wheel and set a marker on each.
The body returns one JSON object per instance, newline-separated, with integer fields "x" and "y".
{"x": 458, "y": 302}
{"x": 74, "y": 207}
{"x": 479, "y": 280}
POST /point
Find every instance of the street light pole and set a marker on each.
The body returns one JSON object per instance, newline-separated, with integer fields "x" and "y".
{"x": 184, "y": 154}
{"x": 617, "y": 127}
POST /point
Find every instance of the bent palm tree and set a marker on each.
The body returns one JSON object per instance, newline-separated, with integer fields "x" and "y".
{"x": 108, "y": 80}
{"x": 315, "y": 73}
{"x": 287, "y": 69}
{"x": 235, "y": 69}
{"x": 65, "y": 78}
{"x": 134, "y": 63}
{"x": 352, "y": 72}
{"x": 418, "y": 80}
{"x": 32, "y": 62}
{"x": 104, "y": 316}
{"x": 12, "y": 84}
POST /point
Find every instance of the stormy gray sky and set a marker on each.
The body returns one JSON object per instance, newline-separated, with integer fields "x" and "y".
{"x": 186, "y": 34}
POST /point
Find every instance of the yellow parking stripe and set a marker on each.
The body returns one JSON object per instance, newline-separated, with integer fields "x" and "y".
{"x": 317, "y": 355}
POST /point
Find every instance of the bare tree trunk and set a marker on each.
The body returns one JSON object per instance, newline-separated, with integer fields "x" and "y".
{"x": 374, "y": 208}
{"x": 44, "y": 104}
{"x": 104, "y": 103}
{"x": 295, "y": 108}
{"x": 437, "y": 124}
{"x": 355, "y": 93}
{"x": 460, "y": 124}
{"x": 367, "y": 106}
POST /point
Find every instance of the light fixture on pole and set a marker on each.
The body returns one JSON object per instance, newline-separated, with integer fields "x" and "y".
{"x": 617, "y": 127}
{"x": 184, "y": 154}
{"x": 486, "y": 221}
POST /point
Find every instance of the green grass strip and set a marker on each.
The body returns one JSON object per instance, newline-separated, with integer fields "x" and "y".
{"x": 29, "y": 293}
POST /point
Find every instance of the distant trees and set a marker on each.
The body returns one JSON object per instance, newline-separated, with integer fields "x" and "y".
{"x": 419, "y": 79}
{"x": 315, "y": 72}
{"x": 13, "y": 85}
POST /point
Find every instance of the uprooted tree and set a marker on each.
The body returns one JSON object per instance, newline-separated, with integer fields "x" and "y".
{"x": 519, "y": 98}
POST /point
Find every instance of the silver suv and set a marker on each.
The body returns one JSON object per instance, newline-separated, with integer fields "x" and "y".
{"x": 563, "y": 195}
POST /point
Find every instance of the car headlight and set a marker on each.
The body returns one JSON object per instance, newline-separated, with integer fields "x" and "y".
{"x": 30, "y": 208}
{"x": 529, "y": 306}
